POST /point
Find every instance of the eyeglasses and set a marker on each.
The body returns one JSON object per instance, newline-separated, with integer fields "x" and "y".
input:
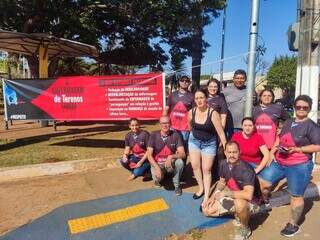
{"x": 304, "y": 108}
{"x": 185, "y": 80}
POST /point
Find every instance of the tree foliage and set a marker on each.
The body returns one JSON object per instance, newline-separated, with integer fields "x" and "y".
{"x": 185, "y": 32}
{"x": 127, "y": 32}
{"x": 282, "y": 73}
{"x": 261, "y": 64}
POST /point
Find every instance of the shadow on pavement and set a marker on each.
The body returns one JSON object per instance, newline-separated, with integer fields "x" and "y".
{"x": 41, "y": 138}
{"x": 94, "y": 143}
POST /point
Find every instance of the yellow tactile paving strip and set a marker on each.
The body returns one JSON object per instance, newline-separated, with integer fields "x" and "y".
{"x": 79, "y": 225}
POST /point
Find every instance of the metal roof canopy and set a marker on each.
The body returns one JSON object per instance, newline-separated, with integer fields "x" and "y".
{"x": 43, "y": 46}
{"x": 29, "y": 44}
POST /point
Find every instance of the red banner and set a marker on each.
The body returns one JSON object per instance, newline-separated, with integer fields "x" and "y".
{"x": 117, "y": 97}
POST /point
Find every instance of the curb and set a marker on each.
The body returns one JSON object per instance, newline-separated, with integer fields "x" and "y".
{"x": 50, "y": 169}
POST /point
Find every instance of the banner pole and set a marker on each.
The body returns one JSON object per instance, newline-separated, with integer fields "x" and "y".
{"x": 5, "y": 105}
{"x": 163, "y": 91}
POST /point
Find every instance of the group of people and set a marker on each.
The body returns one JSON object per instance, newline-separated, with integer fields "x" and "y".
{"x": 260, "y": 150}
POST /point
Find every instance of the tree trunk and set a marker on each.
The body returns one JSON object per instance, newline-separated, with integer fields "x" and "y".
{"x": 29, "y": 26}
{"x": 196, "y": 55}
{"x": 53, "y": 67}
{"x": 33, "y": 66}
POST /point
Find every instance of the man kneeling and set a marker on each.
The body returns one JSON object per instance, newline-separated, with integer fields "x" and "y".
{"x": 235, "y": 192}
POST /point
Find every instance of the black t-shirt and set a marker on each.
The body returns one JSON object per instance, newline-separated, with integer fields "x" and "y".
{"x": 163, "y": 146}
{"x": 218, "y": 103}
{"x": 179, "y": 104}
{"x": 137, "y": 142}
{"x": 239, "y": 175}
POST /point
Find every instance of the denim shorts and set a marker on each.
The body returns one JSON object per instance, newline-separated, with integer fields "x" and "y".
{"x": 298, "y": 176}
{"x": 205, "y": 147}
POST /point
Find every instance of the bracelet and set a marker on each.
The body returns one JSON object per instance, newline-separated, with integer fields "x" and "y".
{"x": 301, "y": 149}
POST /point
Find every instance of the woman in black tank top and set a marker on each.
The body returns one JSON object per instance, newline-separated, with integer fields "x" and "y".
{"x": 205, "y": 125}
{"x": 203, "y": 131}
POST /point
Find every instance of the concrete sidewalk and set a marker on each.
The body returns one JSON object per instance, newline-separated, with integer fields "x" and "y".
{"x": 22, "y": 201}
{"x": 58, "y": 168}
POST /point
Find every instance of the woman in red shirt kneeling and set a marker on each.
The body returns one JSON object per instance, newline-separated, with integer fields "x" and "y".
{"x": 253, "y": 149}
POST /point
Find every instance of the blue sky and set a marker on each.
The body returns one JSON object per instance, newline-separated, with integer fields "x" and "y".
{"x": 274, "y": 18}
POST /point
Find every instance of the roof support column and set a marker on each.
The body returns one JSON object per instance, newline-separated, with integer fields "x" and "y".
{"x": 43, "y": 61}
{"x": 43, "y": 70}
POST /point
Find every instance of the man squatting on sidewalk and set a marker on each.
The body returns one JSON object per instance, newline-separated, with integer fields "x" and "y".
{"x": 236, "y": 191}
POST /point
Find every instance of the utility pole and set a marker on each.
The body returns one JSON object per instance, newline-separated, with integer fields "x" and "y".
{"x": 222, "y": 44}
{"x": 307, "y": 80}
{"x": 252, "y": 57}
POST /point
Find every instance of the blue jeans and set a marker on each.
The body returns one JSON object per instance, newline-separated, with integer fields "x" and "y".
{"x": 298, "y": 176}
{"x": 230, "y": 131}
{"x": 205, "y": 147}
{"x": 253, "y": 165}
{"x": 185, "y": 137}
{"x": 135, "y": 171}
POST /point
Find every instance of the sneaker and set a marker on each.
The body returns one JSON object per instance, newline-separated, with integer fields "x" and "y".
{"x": 147, "y": 177}
{"x": 254, "y": 209}
{"x": 236, "y": 222}
{"x": 157, "y": 184}
{"x": 178, "y": 191}
{"x": 290, "y": 230}
{"x": 242, "y": 233}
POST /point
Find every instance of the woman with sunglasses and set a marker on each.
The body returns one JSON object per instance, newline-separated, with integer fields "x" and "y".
{"x": 298, "y": 140}
{"x": 205, "y": 126}
{"x": 267, "y": 116}
{"x": 177, "y": 106}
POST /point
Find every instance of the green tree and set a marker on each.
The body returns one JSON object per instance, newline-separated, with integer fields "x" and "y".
{"x": 122, "y": 30}
{"x": 184, "y": 33}
{"x": 64, "y": 18}
{"x": 3, "y": 66}
{"x": 127, "y": 32}
{"x": 282, "y": 73}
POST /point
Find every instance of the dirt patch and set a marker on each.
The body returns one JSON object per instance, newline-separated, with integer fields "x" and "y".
{"x": 195, "y": 234}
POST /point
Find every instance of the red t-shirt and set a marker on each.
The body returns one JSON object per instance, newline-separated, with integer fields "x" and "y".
{"x": 249, "y": 148}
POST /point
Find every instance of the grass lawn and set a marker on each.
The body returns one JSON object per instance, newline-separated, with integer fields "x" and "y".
{"x": 73, "y": 142}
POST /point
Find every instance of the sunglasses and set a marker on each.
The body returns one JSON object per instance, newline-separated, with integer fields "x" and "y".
{"x": 185, "y": 80}
{"x": 304, "y": 108}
